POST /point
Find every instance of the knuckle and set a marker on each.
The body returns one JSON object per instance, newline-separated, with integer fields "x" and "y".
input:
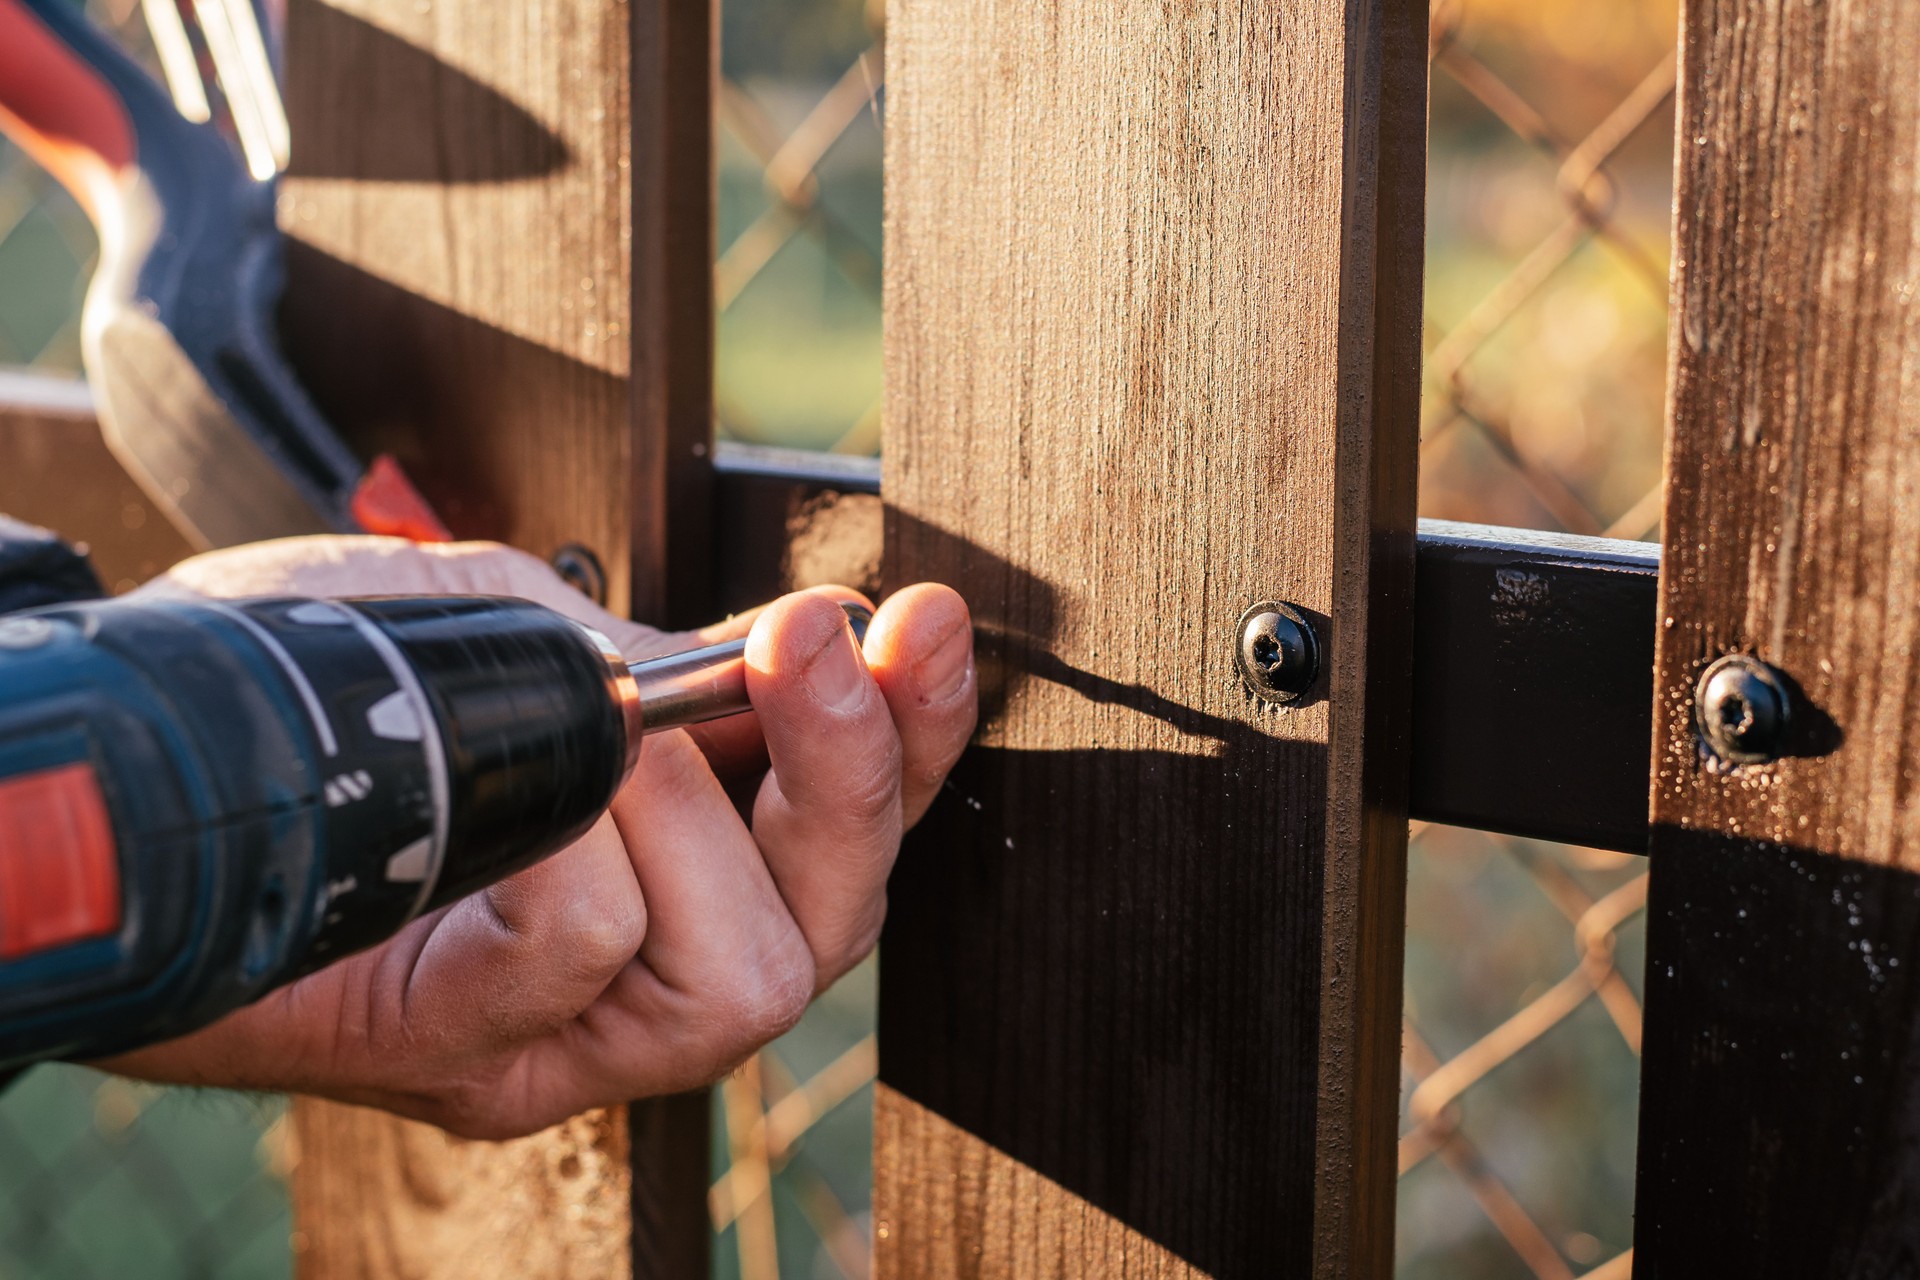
{"x": 605, "y": 931}
{"x": 495, "y": 1102}
{"x": 517, "y": 929}
{"x": 871, "y": 797}
{"x": 482, "y": 567}
{"x": 768, "y": 996}
{"x": 477, "y": 552}
{"x": 870, "y": 806}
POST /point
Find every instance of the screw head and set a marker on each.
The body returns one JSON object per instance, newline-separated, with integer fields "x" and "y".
{"x": 1276, "y": 651}
{"x": 1741, "y": 710}
{"x": 582, "y": 571}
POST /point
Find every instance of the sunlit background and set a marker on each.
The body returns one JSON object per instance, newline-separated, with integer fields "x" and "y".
{"x": 1547, "y": 215}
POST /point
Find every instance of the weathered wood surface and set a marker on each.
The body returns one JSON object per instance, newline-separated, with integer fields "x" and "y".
{"x": 56, "y": 470}
{"x": 474, "y": 193}
{"x": 1780, "y": 1104}
{"x": 1152, "y": 315}
{"x": 379, "y": 1197}
{"x": 501, "y": 229}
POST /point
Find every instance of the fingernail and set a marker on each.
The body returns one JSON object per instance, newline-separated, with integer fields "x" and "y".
{"x": 947, "y": 667}
{"x": 835, "y": 675}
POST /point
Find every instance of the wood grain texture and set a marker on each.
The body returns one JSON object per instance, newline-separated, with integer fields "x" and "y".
{"x": 501, "y": 225}
{"x": 56, "y": 471}
{"x": 1780, "y": 1116}
{"x": 981, "y": 1212}
{"x": 461, "y": 281}
{"x": 1152, "y": 320}
{"x": 376, "y": 1197}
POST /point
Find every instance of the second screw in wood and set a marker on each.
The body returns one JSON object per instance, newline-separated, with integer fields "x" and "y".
{"x": 1277, "y": 652}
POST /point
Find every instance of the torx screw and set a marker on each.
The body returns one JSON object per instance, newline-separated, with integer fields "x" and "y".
{"x": 1741, "y": 710}
{"x": 1276, "y": 651}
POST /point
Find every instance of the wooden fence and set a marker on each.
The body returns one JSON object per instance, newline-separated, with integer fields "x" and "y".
{"x": 1153, "y": 350}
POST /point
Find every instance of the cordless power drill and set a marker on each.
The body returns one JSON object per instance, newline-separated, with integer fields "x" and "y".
{"x": 201, "y": 801}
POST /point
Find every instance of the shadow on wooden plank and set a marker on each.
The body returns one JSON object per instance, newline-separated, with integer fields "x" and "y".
{"x": 519, "y": 146}
{"x": 1781, "y": 1067}
{"x": 1081, "y": 971}
{"x": 461, "y": 404}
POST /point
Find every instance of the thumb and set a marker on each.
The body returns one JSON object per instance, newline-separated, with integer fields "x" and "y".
{"x": 734, "y": 746}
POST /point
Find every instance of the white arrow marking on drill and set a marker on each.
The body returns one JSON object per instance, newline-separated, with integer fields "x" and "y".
{"x": 412, "y": 863}
{"x": 395, "y": 718}
{"x": 433, "y": 754}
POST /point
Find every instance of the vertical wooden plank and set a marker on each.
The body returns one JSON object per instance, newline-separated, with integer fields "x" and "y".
{"x": 458, "y": 205}
{"x": 1780, "y": 1112}
{"x": 501, "y": 229}
{"x": 1152, "y": 318}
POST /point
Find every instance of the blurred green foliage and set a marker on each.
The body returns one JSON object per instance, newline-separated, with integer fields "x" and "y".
{"x": 103, "y": 1177}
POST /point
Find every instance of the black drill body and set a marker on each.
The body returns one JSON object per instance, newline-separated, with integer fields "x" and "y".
{"x": 202, "y": 801}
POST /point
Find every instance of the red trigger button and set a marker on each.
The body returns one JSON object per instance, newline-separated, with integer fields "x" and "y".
{"x": 59, "y": 873}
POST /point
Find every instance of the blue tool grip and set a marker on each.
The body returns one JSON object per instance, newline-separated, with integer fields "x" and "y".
{"x": 279, "y": 783}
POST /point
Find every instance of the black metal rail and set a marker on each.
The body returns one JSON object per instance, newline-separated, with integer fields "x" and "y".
{"x": 1533, "y": 654}
{"x": 1533, "y": 683}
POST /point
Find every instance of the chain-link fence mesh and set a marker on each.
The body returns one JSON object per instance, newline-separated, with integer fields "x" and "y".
{"x": 797, "y": 284}
{"x": 797, "y": 288}
{"x": 1548, "y": 208}
{"x": 107, "y": 1177}
{"x": 1548, "y": 224}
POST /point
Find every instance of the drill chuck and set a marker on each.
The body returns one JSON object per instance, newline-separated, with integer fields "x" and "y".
{"x": 201, "y": 801}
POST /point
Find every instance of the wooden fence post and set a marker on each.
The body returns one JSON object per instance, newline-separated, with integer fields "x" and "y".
{"x": 1780, "y": 1109}
{"x": 1153, "y": 287}
{"x": 502, "y": 228}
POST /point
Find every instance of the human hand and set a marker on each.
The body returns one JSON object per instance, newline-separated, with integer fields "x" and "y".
{"x": 679, "y": 934}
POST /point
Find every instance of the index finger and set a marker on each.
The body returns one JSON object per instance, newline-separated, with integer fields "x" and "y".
{"x": 827, "y": 817}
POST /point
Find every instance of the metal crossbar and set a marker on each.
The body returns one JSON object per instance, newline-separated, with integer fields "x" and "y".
{"x": 1588, "y": 193}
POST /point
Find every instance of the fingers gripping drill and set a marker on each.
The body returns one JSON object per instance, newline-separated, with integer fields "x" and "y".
{"x": 202, "y": 801}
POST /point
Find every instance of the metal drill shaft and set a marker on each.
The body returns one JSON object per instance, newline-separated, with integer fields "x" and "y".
{"x": 708, "y": 683}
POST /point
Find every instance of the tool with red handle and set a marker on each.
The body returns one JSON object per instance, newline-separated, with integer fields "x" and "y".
{"x": 201, "y": 801}
{"x": 177, "y": 332}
